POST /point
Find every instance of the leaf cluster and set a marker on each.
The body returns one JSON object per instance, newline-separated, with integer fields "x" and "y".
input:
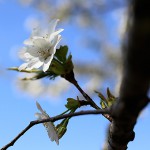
{"x": 108, "y": 101}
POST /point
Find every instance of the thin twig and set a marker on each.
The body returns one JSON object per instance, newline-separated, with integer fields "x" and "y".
{"x": 53, "y": 119}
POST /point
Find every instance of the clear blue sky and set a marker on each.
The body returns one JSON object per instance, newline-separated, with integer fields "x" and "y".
{"x": 18, "y": 109}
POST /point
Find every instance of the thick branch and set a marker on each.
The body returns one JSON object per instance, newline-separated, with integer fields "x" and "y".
{"x": 136, "y": 77}
{"x": 53, "y": 119}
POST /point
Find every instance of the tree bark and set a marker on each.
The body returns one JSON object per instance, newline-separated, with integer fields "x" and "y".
{"x": 136, "y": 76}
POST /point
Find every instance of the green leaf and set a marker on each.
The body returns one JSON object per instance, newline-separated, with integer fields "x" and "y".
{"x": 61, "y": 53}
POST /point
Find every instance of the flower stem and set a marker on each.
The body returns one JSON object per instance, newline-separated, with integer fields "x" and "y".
{"x": 64, "y": 112}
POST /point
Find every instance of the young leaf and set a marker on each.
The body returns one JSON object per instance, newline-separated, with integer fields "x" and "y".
{"x": 103, "y": 104}
{"x": 111, "y": 98}
{"x": 102, "y": 97}
{"x": 109, "y": 94}
{"x": 68, "y": 65}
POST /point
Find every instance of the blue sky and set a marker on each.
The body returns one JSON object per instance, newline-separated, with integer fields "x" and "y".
{"x": 17, "y": 109}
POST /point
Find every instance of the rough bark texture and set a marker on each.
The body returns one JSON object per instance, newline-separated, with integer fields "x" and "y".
{"x": 136, "y": 76}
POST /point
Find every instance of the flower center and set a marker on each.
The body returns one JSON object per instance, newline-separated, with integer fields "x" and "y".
{"x": 44, "y": 54}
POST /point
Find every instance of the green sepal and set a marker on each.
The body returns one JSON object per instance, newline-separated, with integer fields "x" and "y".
{"x": 72, "y": 104}
{"x": 61, "y": 64}
{"x": 68, "y": 65}
{"x": 62, "y": 128}
{"x": 61, "y": 53}
{"x": 56, "y": 67}
{"x": 27, "y": 71}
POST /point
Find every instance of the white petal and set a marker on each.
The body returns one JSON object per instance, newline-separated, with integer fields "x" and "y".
{"x": 39, "y": 107}
{"x": 36, "y": 31}
{"x": 34, "y": 63}
{"x": 23, "y": 54}
{"x": 48, "y": 125}
{"x": 52, "y": 26}
{"x": 38, "y": 42}
{"x": 40, "y": 116}
{"x": 37, "y": 64}
{"x": 28, "y": 41}
{"x": 47, "y": 63}
{"x": 26, "y": 57}
{"x": 23, "y": 66}
{"x": 28, "y": 52}
{"x": 58, "y": 40}
{"x": 55, "y": 34}
{"x": 55, "y": 42}
{"x": 37, "y": 37}
{"x": 52, "y": 132}
{"x": 33, "y": 50}
{"x": 42, "y": 111}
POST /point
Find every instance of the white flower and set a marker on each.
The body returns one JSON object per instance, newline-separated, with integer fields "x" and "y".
{"x": 40, "y": 47}
{"x": 48, "y": 125}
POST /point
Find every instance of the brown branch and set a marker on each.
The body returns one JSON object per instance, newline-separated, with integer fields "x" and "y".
{"x": 136, "y": 77}
{"x": 53, "y": 119}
